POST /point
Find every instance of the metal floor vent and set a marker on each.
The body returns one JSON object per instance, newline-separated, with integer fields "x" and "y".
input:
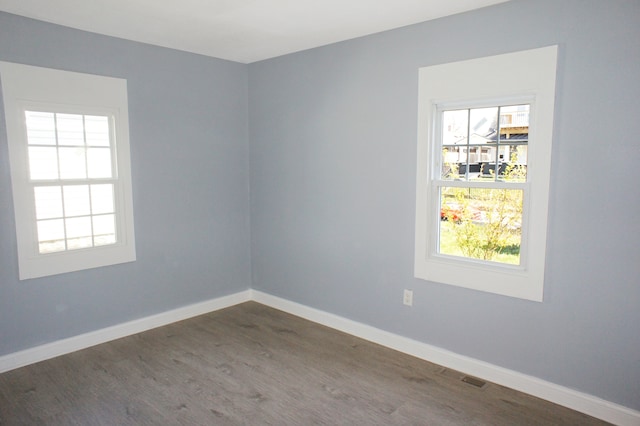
{"x": 474, "y": 381}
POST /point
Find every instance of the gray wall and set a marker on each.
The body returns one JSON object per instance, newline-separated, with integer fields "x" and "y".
{"x": 190, "y": 159}
{"x": 333, "y": 144}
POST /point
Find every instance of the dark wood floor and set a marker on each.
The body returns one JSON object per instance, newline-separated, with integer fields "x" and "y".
{"x": 253, "y": 365}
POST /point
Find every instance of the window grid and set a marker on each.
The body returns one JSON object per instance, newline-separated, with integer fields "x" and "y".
{"x": 89, "y": 236}
{"x": 450, "y": 183}
{"x": 501, "y": 143}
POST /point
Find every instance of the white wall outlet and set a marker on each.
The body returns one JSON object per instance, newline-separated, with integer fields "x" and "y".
{"x": 408, "y": 297}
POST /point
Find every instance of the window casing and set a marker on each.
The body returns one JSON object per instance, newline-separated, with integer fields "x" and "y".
{"x": 484, "y": 153}
{"x": 70, "y": 169}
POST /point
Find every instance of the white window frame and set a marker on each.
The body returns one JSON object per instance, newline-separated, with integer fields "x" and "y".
{"x": 27, "y": 87}
{"x": 521, "y": 77}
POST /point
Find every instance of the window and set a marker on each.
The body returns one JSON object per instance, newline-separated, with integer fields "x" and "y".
{"x": 484, "y": 153}
{"x": 481, "y": 187}
{"x": 70, "y": 169}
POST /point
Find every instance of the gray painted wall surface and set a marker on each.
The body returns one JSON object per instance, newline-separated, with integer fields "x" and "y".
{"x": 333, "y": 143}
{"x": 189, "y": 152}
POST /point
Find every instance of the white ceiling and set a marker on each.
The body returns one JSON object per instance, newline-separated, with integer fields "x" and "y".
{"x": 239, "y": 30}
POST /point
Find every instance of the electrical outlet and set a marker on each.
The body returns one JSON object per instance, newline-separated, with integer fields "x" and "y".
{"x": 408, "y": 297}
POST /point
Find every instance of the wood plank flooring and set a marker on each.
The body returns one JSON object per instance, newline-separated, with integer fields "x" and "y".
{"x": 253, "y": 365}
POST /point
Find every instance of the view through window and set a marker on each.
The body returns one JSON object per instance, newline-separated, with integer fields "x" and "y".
{"x": 483, "y": 169}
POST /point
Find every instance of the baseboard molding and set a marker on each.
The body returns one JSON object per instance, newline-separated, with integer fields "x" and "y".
{"x": 582, "y": 402}
{"x": 82, "y": 341}
{"x": 570, "y": 398}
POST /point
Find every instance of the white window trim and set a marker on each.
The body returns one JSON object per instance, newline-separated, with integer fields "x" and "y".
{"x": 527, "y": 75}
{"x": 24, "y": 87}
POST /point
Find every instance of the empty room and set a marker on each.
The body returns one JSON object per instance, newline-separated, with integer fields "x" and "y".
{"x": 319, "y": 212}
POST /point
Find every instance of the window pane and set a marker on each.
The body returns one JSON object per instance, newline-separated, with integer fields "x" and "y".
{"x": 78, "y": 232}
{"x": 454, "y": 143}
{"x": 72, "y": 163}
{"x": 515, "y": 170}
{"x": 483, "y": 125}
{"x": 96, "y": 130}
{"x": 102, "y": 199}
{"x": 43, "y": 163}
{"x": 51, "y": 235}
{"x": 104, "y": 230}
{"x": 455, "y": 127}
{"x": 99, "y": 162}
{"x": 50, "y": 230}
{"x": 481, "y": 223}
{"x": 78, "y": 227}
{"x": 514, "y": 116}
{"x": 70, "y": 129}
{"x": 76, "y": 200}
{"x": 48, "y": 202}
{"x": 452, "y": 158}
{"x": 41, "y": 128}
{"x": 103, "y": 224}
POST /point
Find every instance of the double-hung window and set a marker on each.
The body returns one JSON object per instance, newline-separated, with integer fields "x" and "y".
{"x": 481, "y": 188}
{"x": 484, "y": 152}
{"x": 70, "y": 169}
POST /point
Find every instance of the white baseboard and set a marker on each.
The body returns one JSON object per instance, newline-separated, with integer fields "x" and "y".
{"x": 582, "y": 402}
{"x": 82, "y": 341}
{"x": 575, "y": 400}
